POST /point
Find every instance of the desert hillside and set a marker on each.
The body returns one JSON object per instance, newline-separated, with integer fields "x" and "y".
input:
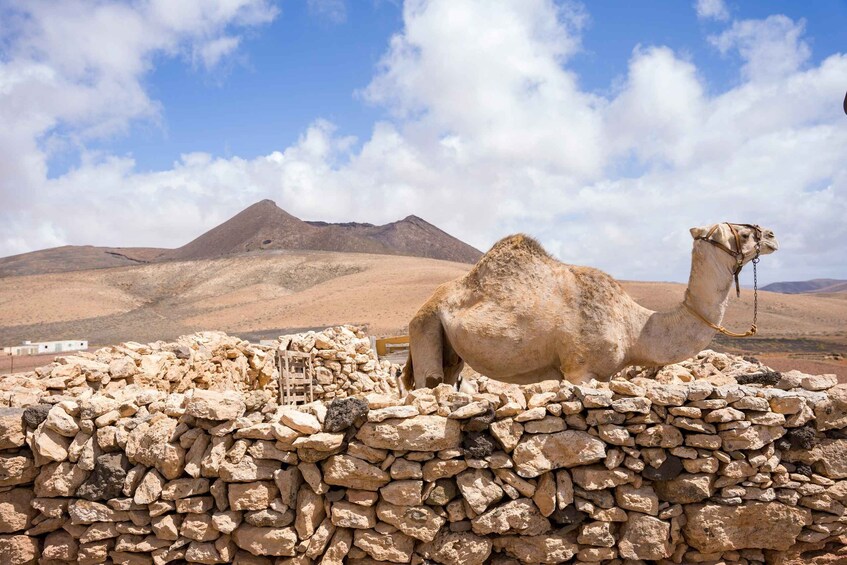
{"x": 265, "y": 293}
{"x": 260, "y": 228}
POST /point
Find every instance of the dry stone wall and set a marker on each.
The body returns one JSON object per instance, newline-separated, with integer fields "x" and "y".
{"x": 681, "y": 465}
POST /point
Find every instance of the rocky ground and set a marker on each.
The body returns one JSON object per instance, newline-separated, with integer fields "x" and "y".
{"x": 180, "y": 452}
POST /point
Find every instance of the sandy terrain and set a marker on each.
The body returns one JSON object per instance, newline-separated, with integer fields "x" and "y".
{"x": 263, "y": 295}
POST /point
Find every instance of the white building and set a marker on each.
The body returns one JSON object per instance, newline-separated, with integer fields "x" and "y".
{"x": 41, "y": 347}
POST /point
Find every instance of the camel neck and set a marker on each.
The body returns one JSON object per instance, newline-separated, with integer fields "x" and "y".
{"x": 677, "y": 334}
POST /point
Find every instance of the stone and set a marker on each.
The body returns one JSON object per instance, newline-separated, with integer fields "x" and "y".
{"x": 350, "y": 472}
{"x": 644, "y": 537}
{"x": 248, "y": 470}
{"x": 349, "y": 515}
{"x": 150, "y": 487}
{"x": 420, "y": 433}
{"x": 404, "y": 469}
{"x": 87, "y": 512}
{"x": 12, "y": 428}
{"x": 642, "y": 499}
{"x": 519, "y": 516}
{"x": 183, "y": 488}
{"x": 717, "y": 528}
{"x": 165, "y": 527}
{"x": 544, "y": 452}
{"x": 59, "y": 546}
{"x": 59, "y": 479}
{"x": 343, "y": 413}
{"x": 310, "y": 512}
{"x": 598, "y": 477}
{"x": 403, "y": 493}
{"x": 50, "y": 444}
{"x": 35, "y": 415}
{"x": 150, "y": 444}
{"x": 389, "y": 412}
{"x": 662, "y": 435}
{"x": 419, "y": 522}
{"x": 564, "y": 489}
{"x": 507, "y": 432}
{"x": 214, "y": 405}
{"x": 61, "y": 422}
{"x": 107, "y": 480}
{"x": 300, "y": 421}
{"x": 321, "y": 441}
{"x": 395, "y": 547}
{"x": 754, "y": 437}
{"x": 478, "y": 445}
{"x": 831, "y": 413}
{"x": 251, "y": 496}
{"x": 19, "y": 549}
{"x": 452, "y": 548}
{"x": 437, "y": 469}
{"x": 339, "y": 547}
{"x": 686, "y": 488}
{"x": 479, "y": 489}
{"x": 556, "y": 547}
{"x": 545, "y": 494}
{"x": 226, "y": 522}
{"x": 598, "y": 534}
{"x": 666, "y": 395}
{"x": 16, "y": 511}
{"x": 288, "y": 482}
{"x": 832, "y": 460}
{"x": 198, "y": 527}
{"x": 279, "y": 542}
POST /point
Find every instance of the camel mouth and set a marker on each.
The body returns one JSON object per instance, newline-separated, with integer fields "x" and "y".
{"x": 769, "y": 245}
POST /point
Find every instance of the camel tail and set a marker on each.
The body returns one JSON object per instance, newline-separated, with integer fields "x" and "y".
{"x": 407, "y": 377}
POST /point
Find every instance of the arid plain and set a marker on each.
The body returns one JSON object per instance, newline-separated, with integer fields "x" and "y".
{"x": 263, "y": 294}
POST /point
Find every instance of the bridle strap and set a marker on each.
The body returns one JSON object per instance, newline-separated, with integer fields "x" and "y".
{"x": 752, "y": 331}
{"x": 738, "y": 255}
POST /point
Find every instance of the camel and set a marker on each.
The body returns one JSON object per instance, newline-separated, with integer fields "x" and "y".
{"x": 520, "y": 316}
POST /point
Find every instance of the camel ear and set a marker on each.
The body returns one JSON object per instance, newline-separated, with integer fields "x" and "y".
{"x": 698, "y": 232}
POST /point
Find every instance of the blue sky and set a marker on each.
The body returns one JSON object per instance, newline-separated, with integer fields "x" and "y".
{"x": 306, "y": 64}
{"x": 602, "y": 128}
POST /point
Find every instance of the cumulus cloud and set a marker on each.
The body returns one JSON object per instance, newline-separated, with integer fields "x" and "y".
{"x": 711, "y": 10}
{"x": 489, "y": 134}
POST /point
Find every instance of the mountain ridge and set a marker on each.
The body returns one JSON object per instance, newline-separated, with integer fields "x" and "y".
{"x": 813, "y": 286}
{"x": 262, "y": 226}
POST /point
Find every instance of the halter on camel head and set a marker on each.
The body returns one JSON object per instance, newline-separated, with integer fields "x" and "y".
{"x": 738, "y": 255}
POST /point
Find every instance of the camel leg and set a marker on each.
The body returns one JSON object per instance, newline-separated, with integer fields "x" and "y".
{"x": 452, "y": 363}
{"x": 425, "y": 350}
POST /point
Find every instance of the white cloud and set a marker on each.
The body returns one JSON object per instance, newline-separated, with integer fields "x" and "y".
{"x": 771, "y": 48}
{"x": 490, "y": 134}
{"x": 711, "y": 10}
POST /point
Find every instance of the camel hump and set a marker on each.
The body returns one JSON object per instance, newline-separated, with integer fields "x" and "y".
{"x": 511, "y": 256}
{"x": 516, "y": 247}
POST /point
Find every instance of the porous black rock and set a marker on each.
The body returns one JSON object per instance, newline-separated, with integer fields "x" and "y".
{"x": 107, "y": 480}
{"x": 480, "y": 423}
{"x": 669, "y": 469}
{"x": 34, "y": 415}
{"x": 343, "y": 412}
{"x": 766, "y": 377}
{"x": 478, "y": 445}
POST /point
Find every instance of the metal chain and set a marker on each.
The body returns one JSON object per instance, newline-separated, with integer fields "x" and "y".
{"x": 755, "y": 287}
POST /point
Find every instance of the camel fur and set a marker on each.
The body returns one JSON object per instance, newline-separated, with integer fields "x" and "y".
{"x": 520, "y": 316}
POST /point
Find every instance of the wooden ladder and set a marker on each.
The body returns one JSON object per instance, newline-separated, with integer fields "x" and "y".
{"x": 296, "y": 377}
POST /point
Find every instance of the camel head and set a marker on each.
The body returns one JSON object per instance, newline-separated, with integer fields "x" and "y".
{"x": 741, "y": 242}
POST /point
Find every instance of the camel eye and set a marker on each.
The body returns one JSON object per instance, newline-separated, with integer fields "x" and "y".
{"x": 746, "y": 236}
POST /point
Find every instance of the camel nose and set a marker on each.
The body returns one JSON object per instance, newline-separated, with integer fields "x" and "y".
{"x": 770, "y": 241}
